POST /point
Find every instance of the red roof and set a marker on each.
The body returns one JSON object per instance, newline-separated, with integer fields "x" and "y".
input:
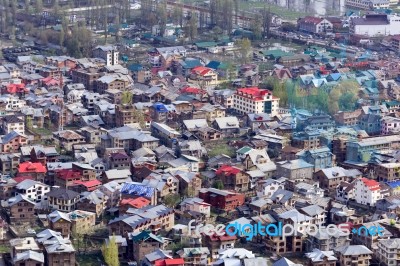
{"x": 164, "y": 262}
{"x": 14, "y": 88}
{"x": 29, "y": 167}
{"x": 225, "y": 237}
{"x": 254, "y": 92}
{"x": 19, "y": 179}
{"x": 227, "y": 170}
{"x": 136, "y": 203}
{"x": 49, "y": 81}
{"x": 371, "y": 184}
{"x": 201, "y": 70}
{"x": 192, "y": 90}
{"x": 90, "y": 185}
{"x": 311, "y": 20}
{"x": 68, "y": 174}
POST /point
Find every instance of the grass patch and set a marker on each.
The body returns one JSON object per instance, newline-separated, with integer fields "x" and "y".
{"x": 89, "y": 259}
{"x": 222, "y": 149}
{"x": 41, "y": 131}
{"x": 4, "y": 249}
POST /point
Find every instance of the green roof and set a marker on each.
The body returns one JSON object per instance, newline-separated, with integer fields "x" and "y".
{"x": 244, "y": 150}
{"x": 144, "y": 235}
{"x": 393, "y": 103}
{"x": 276, "y": 53}
{"x": 206, "y": 44}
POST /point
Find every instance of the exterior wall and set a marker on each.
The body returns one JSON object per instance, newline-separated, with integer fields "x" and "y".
{"x": 57, "y": 259}
{"x": 22, "y": 211}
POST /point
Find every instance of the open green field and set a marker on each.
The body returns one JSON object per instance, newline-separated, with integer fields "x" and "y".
{"x": 251, "y": 6}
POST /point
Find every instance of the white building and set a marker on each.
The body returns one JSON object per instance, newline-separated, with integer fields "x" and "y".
{"x": 254, "y": 101}
{"x": 390, "y": 125}
{"x": 34, "y": 190}
{"x": 266, "y": 188}
{"x": 197, "y": 205}
{"x": 108, "y": 53}
{"x": 375, "y": 25}
{"x": 388, "y": 250}
{"x": 367, "y": 191}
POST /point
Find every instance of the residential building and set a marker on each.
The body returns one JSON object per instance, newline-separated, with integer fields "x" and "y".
{"x": 388, "y": 251}
{"x": 108, "y": 53}
{"x": 222, "y": 199}
{"x": 62, "y": 199}
{"x": 367, "y": 191}
{"x": 298, "y": 170}
{"x": 321, "y": 157}
{"x": 233, "y": 178}
{"x": 353, "y": 255}
{"x": 375, "y": 24}
{"x": 254, "y": 101}
{"x": 314, "y": 25}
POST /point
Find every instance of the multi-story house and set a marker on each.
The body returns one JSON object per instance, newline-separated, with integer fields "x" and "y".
{"x": 194, "y": 256}
{"x": 360, "y": 150}
{"x": 213, "y": 111}
{"x": 35, "y": 170}
{"x": 114, "y": 81}
{"x": 20, "y": 208}
{"x": 224, "y": 98}
{"x": 222, "y": 199}
{"x": 388, "y": 251}
{"x": 62, "y": 199}
{"x": 321, "y": 258}
{"x": 12, "y": 142}
{"x": 327, "y": 242}
{"x": 233, "y": 178}
{"x": 141, "y": 244}
{"x": 67, "y": 138}
{"x": 306, "y": 139}
{"x": 314, "y": 25}
{"x": 321, "y": 158}
{"x": 367, "y": 191}
{"x": 33, "y": 190}
{"x": 216, "y": 243}
{"x": 386, "y": 171}
{"x": 368, "y": 240}
{"x": 254, "y": 100}
{"x": 298, "y": 170}
{"x": 353, "y": 255}
{"x": 153, "y": 218}
{"x": 203, "y": 76}
{"x": 197, "y": 205}
{"x": 165, "y": 134}
{"x": 330, "y": 178}
{"x": 113, "y": 191}
{"x": 108, "y": 53}
{"x": 13, "y": 123}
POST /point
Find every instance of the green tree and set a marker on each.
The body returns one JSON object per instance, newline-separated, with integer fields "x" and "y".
{"x": 256, "y": 28}
{"x": 244, "y": 49}
{"x": 218, "y": 184}
{"x": 29, "y": 122}
{"x": 266, "y": 21}
{"x": 177, "y": 16}
{"x": 162, "y": 18}
{"x": 216, "y": 33}
{"x": 126, "y": 97}
{"x": 192, "y": 26}
{"x": 172, "y": 200}
{"x": 110, "y": 252}
{"x": 347, "y": 101}
{"x": 38, "y": 6}
{"x": 62, "y": 37}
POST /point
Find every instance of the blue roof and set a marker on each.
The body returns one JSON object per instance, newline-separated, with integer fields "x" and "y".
{"x": 335, "y": 76}
{"x": 137, "y": 189}
{"x": 393, "y": 184}
{"x": 213, "y": 64}
{"x": 135, "y": 67}
{"x": 160, "y": 107}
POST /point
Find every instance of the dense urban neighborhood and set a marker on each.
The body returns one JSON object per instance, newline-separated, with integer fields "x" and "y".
{"x": 208, "y": 133}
